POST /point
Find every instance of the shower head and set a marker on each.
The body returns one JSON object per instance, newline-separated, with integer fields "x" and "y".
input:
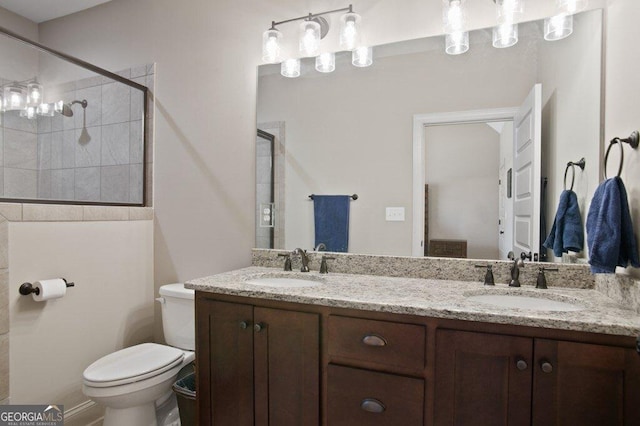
{"x": 66, "y": 108}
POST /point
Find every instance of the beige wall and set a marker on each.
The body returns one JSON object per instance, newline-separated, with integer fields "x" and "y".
{"x": 110, "y": 307}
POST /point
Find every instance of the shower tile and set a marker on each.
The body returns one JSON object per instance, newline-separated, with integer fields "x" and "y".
{"x": 44, "y": 151}
{"x": 138, "y": 71}
{"x": 20, "y": 149}
{"x": 263, "y": 170}
{"x": 136, "y": 186}
{"x": 126, "y": 73}
{"x": 92, "y": 114}
{"x": 2, "y": 181}
{"x": 89, "y": 82}
{"x": 151, "y": 68}
{"x": 114, "y": 184}
{"x": 69, "y": 142}
{"x": 135, "y": 142}
{"x": 44, "y": 124}
{"x": 12, "y": 120}
{"x": 88, "y": 146}
{"x": 87, "y": 181}
{"x": 116, "y": 98}
{"x": 44, "y": 184}
{"x": 62, "y": 184}
{"x": 115, "y": 144}
{"x": 149, "y": 142}
{"x": 56, "y": 150}
{"x": 137, "y": 100}
{"x": 56, "y": 123}
{"x": 20, "y": 183}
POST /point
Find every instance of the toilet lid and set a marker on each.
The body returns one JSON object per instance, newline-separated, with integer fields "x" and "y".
{"x": 132, "y": 364}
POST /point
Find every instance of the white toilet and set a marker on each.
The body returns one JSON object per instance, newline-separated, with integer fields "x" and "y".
{"x": 130, "y": 381}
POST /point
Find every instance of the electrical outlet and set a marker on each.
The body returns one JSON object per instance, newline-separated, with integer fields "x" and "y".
{"x": 395, "y": 214}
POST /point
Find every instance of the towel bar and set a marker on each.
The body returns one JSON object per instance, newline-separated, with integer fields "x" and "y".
{"x": 353, "y": 197}
{"x": 632, "y": 140}
{"x": 571, "y": 164}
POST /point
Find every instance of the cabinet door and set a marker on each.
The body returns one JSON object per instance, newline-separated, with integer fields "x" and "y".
{"x": 582, "y": 384}
{"x": 482, "y": 379}
{"x": 287, "y": 368}
{"x": 224, "y": 359}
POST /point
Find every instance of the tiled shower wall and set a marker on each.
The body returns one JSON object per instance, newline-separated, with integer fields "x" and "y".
{"x": 96, "y": 155}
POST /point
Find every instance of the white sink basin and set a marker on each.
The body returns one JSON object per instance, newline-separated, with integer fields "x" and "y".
{"x": 524, "y": 302}
{"x": 283, "y": 282}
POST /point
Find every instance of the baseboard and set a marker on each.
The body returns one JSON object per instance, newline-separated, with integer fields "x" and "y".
{"x": 86, "y": 413}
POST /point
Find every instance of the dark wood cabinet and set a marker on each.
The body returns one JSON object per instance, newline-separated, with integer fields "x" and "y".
{"x": 271, "y": 363}
{"x": 256, "y": 366}
{"x": 508, "y": 380}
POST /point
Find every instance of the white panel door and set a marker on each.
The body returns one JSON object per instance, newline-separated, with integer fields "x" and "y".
{"x": 526, "y": 174}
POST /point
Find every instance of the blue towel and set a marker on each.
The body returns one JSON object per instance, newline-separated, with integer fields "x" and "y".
{"x": 566, "y": 233}
{"x": 331, "y": 213}
{"x": 610, "y": 229}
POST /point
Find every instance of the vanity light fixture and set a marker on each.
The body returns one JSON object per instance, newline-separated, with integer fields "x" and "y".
{"x": 571, "y": 7}
{"x": 558, "y": 27}
{"x": 326, "y": 62}
{"x": 15, "y": 97}
{"x": 454, "y": 22}
{"x": 271, "y": 46}
{"x": 505, "y": 34}
{"x": 290, "y": 68}
{"x": 362, "y": 57}
{"x": 349, "y": 31}
{"x": 34, "y": 94}
{"x": 309, "y": 38}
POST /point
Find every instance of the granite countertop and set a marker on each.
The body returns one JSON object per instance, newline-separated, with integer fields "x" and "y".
{"x": 431, "y": 298}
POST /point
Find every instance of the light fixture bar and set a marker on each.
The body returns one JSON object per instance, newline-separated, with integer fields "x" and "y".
{"x": 311, "y": 16}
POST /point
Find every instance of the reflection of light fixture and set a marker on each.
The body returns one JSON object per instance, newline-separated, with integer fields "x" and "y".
{"x": 309, "y": 38}
{"x": 290, "y": 68}
{"x": 362, "y": 57}
{"x": 46, "y": 110}
{"x": 271, "y": 46}
{"x": 571, "y": 7}
{"x": 457, "y": 43}
{"x": 326, "y": 62}
{"x": 29, "y": 112}
{"x": 15, "y": 97}
{"x": 558, "y": 27}
{"x": 349, "y": 34}
{"x": 34, "y": 93}
{"x": 505, "y": 35}
{"x": 453, "y": 16}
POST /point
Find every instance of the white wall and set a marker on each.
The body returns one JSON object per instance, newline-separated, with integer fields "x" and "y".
{"x": 110, "y": 307}
{"x": 461, "y": 169}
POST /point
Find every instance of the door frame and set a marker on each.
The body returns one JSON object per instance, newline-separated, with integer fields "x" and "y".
{"x": 420, "y": 122}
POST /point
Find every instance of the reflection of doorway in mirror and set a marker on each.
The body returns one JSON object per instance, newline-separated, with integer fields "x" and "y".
{"x": 270, "y": 150}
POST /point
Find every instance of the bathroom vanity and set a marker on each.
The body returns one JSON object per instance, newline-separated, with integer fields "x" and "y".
{"x": 348, "y": 349}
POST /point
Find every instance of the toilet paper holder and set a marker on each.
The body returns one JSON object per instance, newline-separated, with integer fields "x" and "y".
{"x": 28, "y": 288}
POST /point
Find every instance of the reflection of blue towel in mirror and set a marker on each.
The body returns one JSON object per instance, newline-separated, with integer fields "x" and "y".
{"x": 610, "y": 229}
{"x": 566, "y": 233}
{"x": 331, "y": 214}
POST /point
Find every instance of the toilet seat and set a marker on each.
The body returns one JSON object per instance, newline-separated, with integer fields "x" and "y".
{"x": 132, "y": 364}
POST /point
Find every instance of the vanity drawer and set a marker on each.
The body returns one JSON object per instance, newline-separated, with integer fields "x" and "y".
{"x": 362, "y": 397}
{"x": 380, "y": 342}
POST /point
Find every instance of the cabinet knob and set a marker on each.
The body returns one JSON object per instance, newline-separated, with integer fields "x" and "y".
{"x": 546, "y": 367}
{"x": 258, "y": 327}
{"x": 372, "y": 405}
{"x": 244, "y": 325}
{"x": 521, "y": 364}
{"x": 374, "y": 340}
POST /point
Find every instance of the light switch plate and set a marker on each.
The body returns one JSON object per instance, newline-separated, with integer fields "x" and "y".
{"x": 395, "y": 214}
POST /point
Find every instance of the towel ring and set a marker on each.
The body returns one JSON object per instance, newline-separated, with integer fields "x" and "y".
{"x": 571, "y": 164}
{"x": 353, "y": 197}
{"x": 631, "y": 140}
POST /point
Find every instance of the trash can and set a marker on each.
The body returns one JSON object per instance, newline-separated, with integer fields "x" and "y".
{"x": 185, "y": 390}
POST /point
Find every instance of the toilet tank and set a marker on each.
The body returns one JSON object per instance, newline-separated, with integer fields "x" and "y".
{"x": 178, "y": 316}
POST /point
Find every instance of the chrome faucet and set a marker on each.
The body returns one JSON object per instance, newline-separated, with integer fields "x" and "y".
{"x": 515, "y": 272}
{"x": 321, "y": 247}
{"x": 303, "y": 258}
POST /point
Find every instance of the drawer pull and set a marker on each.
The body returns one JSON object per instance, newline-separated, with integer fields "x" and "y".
{"x": 372, "y": 405}
{"x": 374, "y": 340}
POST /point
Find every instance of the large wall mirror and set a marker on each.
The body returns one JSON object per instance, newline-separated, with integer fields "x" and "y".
{"x": 71, "y": 132}
{"x": 352, "y": 131}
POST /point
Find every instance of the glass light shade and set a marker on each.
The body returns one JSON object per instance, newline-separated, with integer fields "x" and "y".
{"x": 309, "y": 38}
{"x": 29, "y": 112}
{"x": 453, "y": 16}
{"x": 271, "y": 50}
{"x": 571, "y": 7}
{"x": 457, "y": 43}
{"x": 290, "y": 68}
{"x": 508, "y": 11}
{"x": 362, "y": 57}
{"x": 15, "y": 97}
{"x": 505, "y": 35}
{"x": 349, "y": 34}
{"x": 326, "y": 62}
{"x": 58, "y": 106}
{"x": 34, "y": 94}
{"x": 46, "y": 110}
{"x": 558, "y": 27}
